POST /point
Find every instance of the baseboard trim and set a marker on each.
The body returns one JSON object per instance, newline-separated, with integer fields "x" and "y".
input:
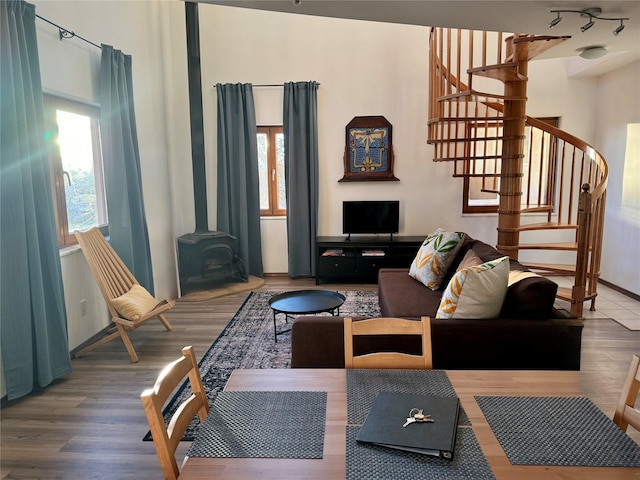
{"x": 635, "y": 296}
{"x": 90, "y": 340}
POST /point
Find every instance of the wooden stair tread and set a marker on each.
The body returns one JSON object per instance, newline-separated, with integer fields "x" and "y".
{"x": 551, "y": 267}
{"x": 547, "y": 226}
{"x": 478, "y": 139}
{"x": 506, "y": 72}
{"x": 474, "y": 95}
{"x": 538, "y": 44}
{"x": 571, "y": 246}
{"x": 538, "y": 208}
{"x": 564, "y": 293}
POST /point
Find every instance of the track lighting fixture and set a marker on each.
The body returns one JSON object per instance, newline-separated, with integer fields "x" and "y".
{"x": 592, "y": 14}
{"x": 587, "y": 25}
{"x": 555, "y": 21}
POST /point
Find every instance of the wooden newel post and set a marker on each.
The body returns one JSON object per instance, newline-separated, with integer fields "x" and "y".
{"x": 582, "y": 259}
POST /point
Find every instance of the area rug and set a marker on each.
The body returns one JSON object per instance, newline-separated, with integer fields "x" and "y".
{"x": 248, "y": 342}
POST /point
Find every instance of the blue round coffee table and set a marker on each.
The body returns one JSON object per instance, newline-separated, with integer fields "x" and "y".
{"x": 304, "y": 302}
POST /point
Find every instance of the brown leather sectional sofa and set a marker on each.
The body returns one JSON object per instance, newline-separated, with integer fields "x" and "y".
{"x": 529, "y": 333}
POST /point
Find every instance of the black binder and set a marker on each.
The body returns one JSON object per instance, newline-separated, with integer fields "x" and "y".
{"x": 383, "y": 425}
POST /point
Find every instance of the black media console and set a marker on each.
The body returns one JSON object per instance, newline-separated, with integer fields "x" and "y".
{"x": 360, "y": 258}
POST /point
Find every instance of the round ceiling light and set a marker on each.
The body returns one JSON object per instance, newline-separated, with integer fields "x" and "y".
{"x": 591, "y": 53}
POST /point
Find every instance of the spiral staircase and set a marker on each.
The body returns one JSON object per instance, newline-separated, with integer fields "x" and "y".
{"x": 549, "y": 184}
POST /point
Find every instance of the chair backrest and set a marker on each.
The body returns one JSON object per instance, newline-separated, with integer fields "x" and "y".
{"x": 388, "y": 326}
{"x": 166, "y": 439}
{"x": 111, "y": 274}
{"x": 626, "y": 412}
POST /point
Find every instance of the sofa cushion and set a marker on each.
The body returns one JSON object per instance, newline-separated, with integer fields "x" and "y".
{"x": 477, "y": 291}
{"x": 434, "y": 258}
{"x": 470, "y": 260}
{"x": 402, "y": 296}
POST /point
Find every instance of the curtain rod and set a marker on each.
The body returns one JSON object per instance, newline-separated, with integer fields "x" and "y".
{"x": 64, "y": 33}
{"x": 268, "y": 85}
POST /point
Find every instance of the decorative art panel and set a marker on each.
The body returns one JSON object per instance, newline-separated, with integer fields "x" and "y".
{"x": 368, "y": 153}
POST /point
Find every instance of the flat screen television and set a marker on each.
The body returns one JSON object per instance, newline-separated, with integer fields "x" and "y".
{"x": 382, "y": 216}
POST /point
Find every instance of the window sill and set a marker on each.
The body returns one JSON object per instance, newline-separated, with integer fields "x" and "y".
{"x": 69, "y": 250}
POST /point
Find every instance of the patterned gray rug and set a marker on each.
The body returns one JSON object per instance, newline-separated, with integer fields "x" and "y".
{"x": 248, "y": 342}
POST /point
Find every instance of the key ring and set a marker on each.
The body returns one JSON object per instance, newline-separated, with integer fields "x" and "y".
{"x": 418, "y": 415}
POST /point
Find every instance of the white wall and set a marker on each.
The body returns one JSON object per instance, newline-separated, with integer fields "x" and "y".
{"x": 364, "y": 68}
{"x": 618, "y": 104}
{"x": 70, "y": 68}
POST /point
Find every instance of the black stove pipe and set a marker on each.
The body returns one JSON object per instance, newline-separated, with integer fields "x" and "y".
{"x": 195, "y": 114}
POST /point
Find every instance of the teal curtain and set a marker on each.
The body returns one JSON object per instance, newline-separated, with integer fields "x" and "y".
{"x": 238, "y": 188}
{"x": 300, "y": 126}
{"x": 121, "y": 157}
{"x": 33, "y": 319}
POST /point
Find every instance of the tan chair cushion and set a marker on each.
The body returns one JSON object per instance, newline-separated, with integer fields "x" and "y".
{"x": 135, "y": 303}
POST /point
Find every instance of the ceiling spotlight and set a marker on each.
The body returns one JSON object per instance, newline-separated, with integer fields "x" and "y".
{"x": 587, "y": 25}
{"x": 591, "y": 53}
{"x": 297, "y": 2}
{"x": 592, "y": 14}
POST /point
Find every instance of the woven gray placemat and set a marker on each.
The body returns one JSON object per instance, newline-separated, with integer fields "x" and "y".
{"x": 264, "y": 425}
{"x": 366, "y": 462}
{"x": 568, "y": 431}
{"x": 364, "y": 385}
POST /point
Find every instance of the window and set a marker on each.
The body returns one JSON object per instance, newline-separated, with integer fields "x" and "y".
{"x": 273, "y": 200}
{"x": 480, "y": 194}
{"x": 73, "y": 138}
{"x": 631, "y": 176}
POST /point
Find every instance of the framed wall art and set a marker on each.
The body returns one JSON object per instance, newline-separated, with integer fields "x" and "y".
{"x": 368, "y": 152}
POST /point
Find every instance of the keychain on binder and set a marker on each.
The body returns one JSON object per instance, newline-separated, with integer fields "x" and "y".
{"x": 416, "y": 415}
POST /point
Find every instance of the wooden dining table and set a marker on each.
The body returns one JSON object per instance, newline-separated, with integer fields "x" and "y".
{"x": 467, "y": 385}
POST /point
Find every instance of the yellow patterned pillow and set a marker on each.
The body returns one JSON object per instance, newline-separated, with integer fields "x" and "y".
{"x": 476, "y": 292}
{"x": 135, "y": 303}
{"x": 434, "y": 257}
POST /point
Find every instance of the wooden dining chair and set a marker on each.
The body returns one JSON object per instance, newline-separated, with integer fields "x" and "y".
{"x": 128, "y": 302}
{"x": 166, "y": 439}
{"x": 626, "y": 413}
{"x": 388, "y": 326}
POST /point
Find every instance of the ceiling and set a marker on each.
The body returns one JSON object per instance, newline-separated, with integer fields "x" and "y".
{"x": 522, "y": 16}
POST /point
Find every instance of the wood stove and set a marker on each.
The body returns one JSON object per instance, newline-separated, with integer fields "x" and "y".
{"x": 208, "y": 257}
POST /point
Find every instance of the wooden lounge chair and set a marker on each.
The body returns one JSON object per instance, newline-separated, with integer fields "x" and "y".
{"x": 129, "y": 304}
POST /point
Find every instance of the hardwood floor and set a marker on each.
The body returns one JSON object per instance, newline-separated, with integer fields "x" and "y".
{"x": 91, "y": 424}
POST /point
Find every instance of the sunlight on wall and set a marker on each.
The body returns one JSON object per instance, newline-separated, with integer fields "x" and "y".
{"x": 631, "y": 178}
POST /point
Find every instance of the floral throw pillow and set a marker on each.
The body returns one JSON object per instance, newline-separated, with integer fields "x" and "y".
{"x": 434, "y": 257}
{"x": 476, "y": 292}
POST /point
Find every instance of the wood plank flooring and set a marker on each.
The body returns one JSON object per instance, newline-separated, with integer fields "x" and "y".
{"x": 91, "y": 424}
